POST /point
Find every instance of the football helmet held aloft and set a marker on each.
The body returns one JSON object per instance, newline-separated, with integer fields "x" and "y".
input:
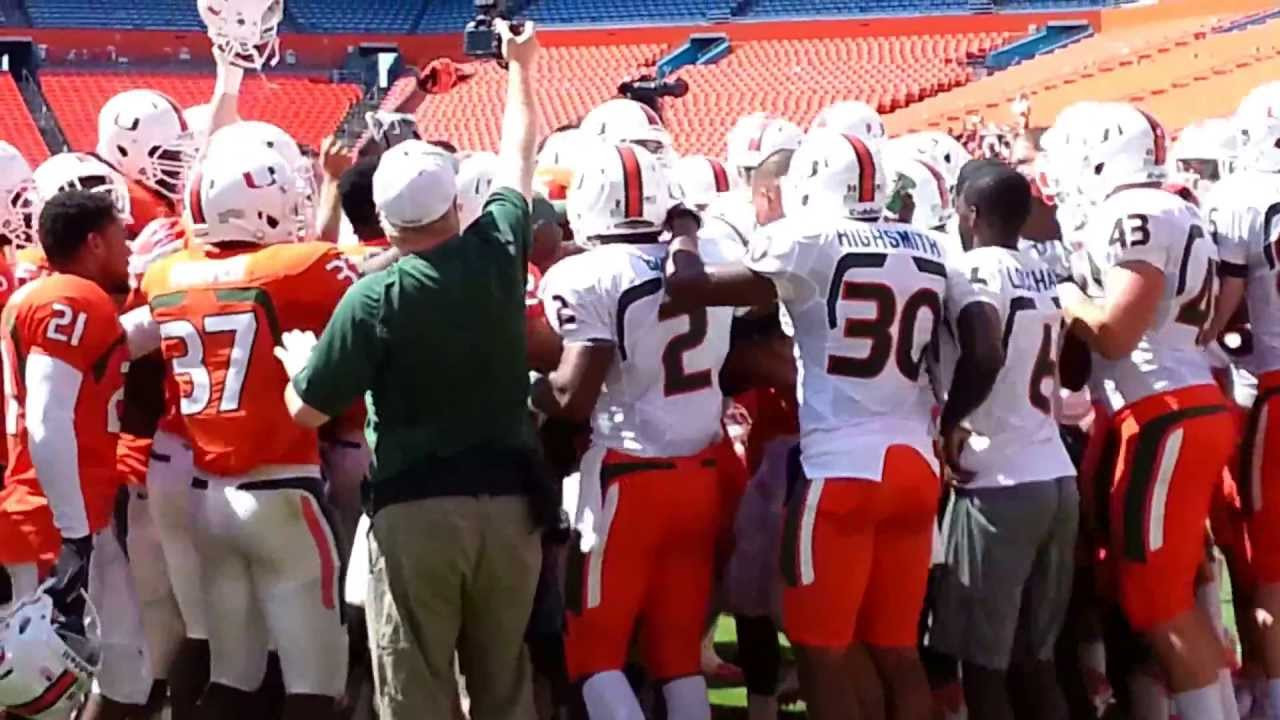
{"x": 836, "y": 173}
{"x": 244, "y": 197}
{"x": 620, "y": 190}
{"x": 46, "y": 667}
{"x": 144, "y": 135}
{"x": 245, "y": 32}
{"x": 851, "y": 117}
{"x": 18, "y": 198}
{"x": 753, "y": 138}
{"x": 82, "y": 171}
{"x": 1257, "y": 123}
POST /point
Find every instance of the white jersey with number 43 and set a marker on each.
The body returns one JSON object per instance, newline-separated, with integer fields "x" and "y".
{"x": 866, "y": 300}
{"x": 1156, "y": 227}
{"x": 662, "y": 395}
{"x": 1015, "y": 436}
{"x": 1244, "y": 216}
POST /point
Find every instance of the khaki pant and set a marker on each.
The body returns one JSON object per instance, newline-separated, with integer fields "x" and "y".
{"x": 446, "y": 573}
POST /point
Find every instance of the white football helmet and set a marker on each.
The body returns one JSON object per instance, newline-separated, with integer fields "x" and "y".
{"x": 757, "y": 136}
{"x": 621, "y": 120}
{"x": 836, "y": 173}
{"x": 252, "y": 135}
{"x": 46, "y": 669}
{"x": 245, "y": 197}
{"x": 939, "y": 149}
{"x": 475, "y": 176}
{"x": 620, "y": 191}
{"x": 926, "y": 185}
{"x": 701, "y": 179}
{"x": 18, "y": 198}
{"x": 1204, "y": 153}
{"x": 851, "y": 117}
{"x": 1121, "y": 145}
{"x": 1257, "y": 123}
{"x": 144, "y": 135}
{"x": 82, "y": 171}
{"x": 246, "y": 32}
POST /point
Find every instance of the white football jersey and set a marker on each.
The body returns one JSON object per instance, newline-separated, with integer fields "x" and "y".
{"x": 1015, "y": 436}
{"x": 1243, "y": 212}
{"x": 662, "y": 395}
{"x": 730, "y": 217}
{"x": 866, "y": 300}
{"x": 1159, "y": 228}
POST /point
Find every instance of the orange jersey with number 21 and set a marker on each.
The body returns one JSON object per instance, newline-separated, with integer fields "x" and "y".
{"x": 221, "y": 313}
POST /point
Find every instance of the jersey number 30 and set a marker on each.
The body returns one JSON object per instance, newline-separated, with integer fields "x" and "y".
{"x": 193, "y": 365}
{"x": 879, "y": 331}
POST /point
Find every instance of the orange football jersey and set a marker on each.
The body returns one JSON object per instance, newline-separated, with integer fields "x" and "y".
{"x": 7, "y": 286}
{"x": 146, "y": 205}
{"x": 73, "y": 320}
{"x": 221, "y": 313}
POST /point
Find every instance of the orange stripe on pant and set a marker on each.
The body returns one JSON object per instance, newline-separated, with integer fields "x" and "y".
{"x": 319, "y": 530}
{"x": 856, "y": 555}
{"x": 651, "y": 569}
{"x": 1173, "y": 449}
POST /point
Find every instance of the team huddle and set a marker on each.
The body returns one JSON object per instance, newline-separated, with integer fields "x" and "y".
{"x": 828, "y": 385}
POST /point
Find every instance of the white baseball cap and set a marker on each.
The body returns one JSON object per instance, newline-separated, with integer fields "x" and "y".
{"x": 415, "y": 184}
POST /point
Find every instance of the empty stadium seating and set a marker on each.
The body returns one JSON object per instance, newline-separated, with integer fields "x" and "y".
{"x": 1132, "y": 64}
{"x": 16, "y": 125}
{"x": 390, "y": 16}
{"x": 793, "y": 77}
{"x": 816, "y": 8}
{"x": 634, "y": 12}
{"x": 306, "y": 108}
{"x": 178, "y": 14}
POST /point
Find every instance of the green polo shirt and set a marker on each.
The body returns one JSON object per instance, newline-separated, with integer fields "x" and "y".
{"x": 436, "y": 346}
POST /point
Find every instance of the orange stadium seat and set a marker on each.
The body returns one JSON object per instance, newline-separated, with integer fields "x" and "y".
{"x": 16, "y": 125}
{"x": 795, "y": 78}
{"x": 305, "y": 108}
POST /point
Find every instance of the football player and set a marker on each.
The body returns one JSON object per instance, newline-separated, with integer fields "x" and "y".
{"x": 645, "y": 372}
{"x": 752, "y": 140}
{"x": 267, "y": 554}
{"x": 18, "y": 202}
{"x": 64, "y": 355}
{"x": 624, "y": 120}
{"x": 865, "y": 299}
{"x": 1244, "y": 219}
{"x": 69, "y": 171}
{"x": 1012, "y": 525}
{"x": 1152, "y": 276}
{"x": 144, "y": 136}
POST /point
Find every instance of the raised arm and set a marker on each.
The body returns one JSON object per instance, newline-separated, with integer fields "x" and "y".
{"x": 519, "y": 123}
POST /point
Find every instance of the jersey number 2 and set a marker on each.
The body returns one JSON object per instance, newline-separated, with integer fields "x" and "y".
{"x": 678, "y": 380}
{"x": 192, "y": 364}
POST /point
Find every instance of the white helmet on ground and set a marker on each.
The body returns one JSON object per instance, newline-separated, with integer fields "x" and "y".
{"x": 1204, "y": 153}
{"x": 757, "y": 136}
{"x": 926, "y": 184}
{"x": 836, "y": 173}
{"x": 701, "y": 180}
{"x": 46, "y": 669}
{"x": 619, "y": 191}
{"x": 1257, "y": 123}
{"x": 18, "y": 198}
{"x": 244, "y": 197}
{"x": 851, "y": 117}
{"x": 145, "y": 135}
{"x": 1122, "y": 145}
{"x": 246, "y": 32}
{"x": 621, "y": 120}
{"x": 82, "y": 171}
{"x": 249, "y": 135}
{"x": 476, "y": 172}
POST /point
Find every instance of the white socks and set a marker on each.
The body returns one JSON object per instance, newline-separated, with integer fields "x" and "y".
{"x": 1201, "y": 704}
{"x": 687, "y": 699}
{"x": 608, "y": 696}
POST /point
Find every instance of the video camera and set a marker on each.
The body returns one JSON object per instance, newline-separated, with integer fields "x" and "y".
{"x": 479, "y": 39}
{"x": 648, "y": 90}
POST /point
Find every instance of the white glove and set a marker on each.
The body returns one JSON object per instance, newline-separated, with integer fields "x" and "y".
{"x": 294, "y": 350}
